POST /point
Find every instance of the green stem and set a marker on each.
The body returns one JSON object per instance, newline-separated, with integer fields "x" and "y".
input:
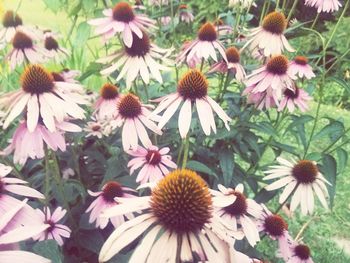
{"x": 202, "y": 65}
{"x": 315, "y": 20}
{"x": 333, "y": 143}
{"x": 284, "y": 5}
{"x": 292, "y": 10}
{"x": 75, "y": 19}
{"x": 263, "y": 12}
{"x": 186, "y": 150}
{"x": 180, "y": 154}
{"x": 47, "y": 178}
{"x": 220, "y": 87}
{"x": 277, "y": 4}
{"x": 238, "y": 20}
{"x": 226, "y": 83}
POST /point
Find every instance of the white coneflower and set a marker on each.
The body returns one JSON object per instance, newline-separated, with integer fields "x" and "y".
{"x": 302, "y": 176}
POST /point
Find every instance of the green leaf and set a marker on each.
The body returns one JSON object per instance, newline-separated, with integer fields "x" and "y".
{"x": 329, "y": 170}
{"x": 91, "y": 240}
{"x": 342, "y": 159}
{"x": 48, "y": 249}
{"x": 341, "y": 82}
{"x": 199, "y": 167}
{"x": 334, "y": 130}
{"x": 227, "y": 164}
{"x": 53, "y": 5}
{"x": 82, "y": 35}
{"x": 92, "y": 69}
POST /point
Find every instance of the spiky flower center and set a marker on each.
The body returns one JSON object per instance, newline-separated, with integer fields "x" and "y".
{"x": 96, "y": 127}
{"x": 51, "y": 43}
{"x": 275, "y": 23}
{"x": 140, "y": 46}
{"x": 305, "y": 172}
{"x": 153, "y": 157}
{"x": 292, "y": 94}
{"x": 182, "y": 202}
{"x": 277, "y": 65}
{"x": 129, "y": 106}
{"x": 193, "y": 85}
{"x": 22, "y": 41}
{"x": 301, "y": 60}
{"x": 51, "y": 227}
{"x": 37, "y": 80}
{"x": 275, "y": 225}
{"x": 232, "y": 55}
{"x": 219, "y": 22}
{"x": 239, "y": 207}
{"x": 123, "y": 12}
{"x": 11, "y": 19}
{"x": 57, "y": 77}
{"x": 112, "y": 190}
{"x": 302, "y": 252}
{"x": 182, "y": 7}
{"x": 109, "y": 91}
{"x": 207, "y": 32}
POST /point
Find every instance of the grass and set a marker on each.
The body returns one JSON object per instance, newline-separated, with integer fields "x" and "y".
{"x": 324, "y": 227}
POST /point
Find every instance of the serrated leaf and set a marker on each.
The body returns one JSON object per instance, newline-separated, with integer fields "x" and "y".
{"x": 227, "y": 165}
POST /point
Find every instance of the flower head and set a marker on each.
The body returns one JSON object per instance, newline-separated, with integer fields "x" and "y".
{"x": 232, "y": 64}
{"x": 236, "y": 209}
{"x": 192, "y": 88}
{"x": 25, "y": 50}
{"x": 295, "y": 98}
{"x": 185, "y": 14}
{"x": 154, "y": 162}
{"x": 122, "y": 19}
{"x": 106, "y": 104}
{"x": 53, "y": 48}
{"x": 133, "y": 116}
{"x": 299, "y": 66}
{"x": 106, "y": 199}
{"x": 269, "y": 35}
{"x": 179, "y": 212}
{"x": 204, "y": 46}
{"x": 54, "y": 230}
{"x": 44, "y": 98}
{"x": 139, "y": 59}
{"x": 303, "y": 178}
{"x": 324, "y": 5}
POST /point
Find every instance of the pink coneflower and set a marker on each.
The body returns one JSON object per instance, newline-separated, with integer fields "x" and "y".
{"x": 10, "y": 237}
{"x": 185, "y": 15}
{"x": 26, "y": 144}
{"x": 261, "y": 100}
{"x": 140, "y": 59}
{"x": 177, "y": 216}
{"x": 42, "y": 97}
{"x": 243, "y": 3}
{"x": 191, "y": 89}
{"x": 232, "y": 64}
{"x": 222, "y": 28}
{"x": 324, "y": 5}
{"x": 95, "y": 128}
{"x": 269, "y": 36}
{"x": 194, "y": 59}
{"x": 133, "y": 116}
{"x": 273, "y": 78}
{"x": 53, "y": 49}
{"x": 298, "y": 253}
{"x": 276, "y": 228}
{"x": 54, "y": 231}
{"x": 139, "y": 5}
{"x": 236, "y": 209}
{"x": 158, "y": 2}
{"x": 165, "y": 20}
{"x": 302, "y": 177}
{"x": 69, "y": 76}
{"x": 204, "y": 46}
{"x": 299, "y": 66}
{"x": 122, "y": 19}
{"x": 12, "y": 23}
{"x": 154, "y": 163}
{"x": 295, "y": 98}
{"x": 25, "y": 51}
{"x": 106, "y": 104}
{"x": 106, "y": 199}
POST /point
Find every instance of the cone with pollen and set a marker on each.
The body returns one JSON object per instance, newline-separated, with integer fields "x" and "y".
{"x": 193, "y": 85}
{"x": 182, "y": 202}
{"x": 106, "y": 106}
{"x": 275, "y": 23}
{"x": 37, "y": 80}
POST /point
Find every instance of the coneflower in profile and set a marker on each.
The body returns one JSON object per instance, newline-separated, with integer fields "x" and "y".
{"x": 105, "y": 106}
{"x": 296, "y": 98}
{"x": 178, "y": 216}
{"x": 122, "y": 19}
{"x": 231, "y": 65}
{"x": 140, "y": 59}
{"x": 204, "y": 46}
{"x": 192, "y": 89}
{"x": 269, "y": 37}
{"x": 324, "y": 5}
{"x": 299, "y": 67}
{"x": 25, "y": 51}
{"x": 53, "y": 48}
{"x": 133, "y": 116}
